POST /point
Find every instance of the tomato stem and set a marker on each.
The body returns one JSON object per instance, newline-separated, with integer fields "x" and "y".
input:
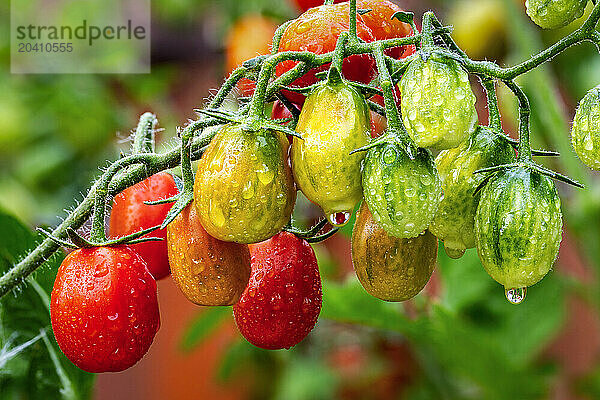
{"x": 339, "y": 53}
{"x": 143, "y": 141}
{"x": 524, "y": 121}
{"x": 395, "y": 125}
{"x": 495, "y": 122}
{"x": 353, "y": 32}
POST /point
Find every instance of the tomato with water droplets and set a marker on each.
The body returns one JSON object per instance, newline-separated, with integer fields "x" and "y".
{"x": 585, "y": 135}
{"x": 553, "y": 14}
{"x": 282, "y": 302}
{"x": 129, "y": 214}
{"x": 391, "y": 268}
{"x": 244, "y": 190}
{"x": 383, "y": 26}
{"x": 438, "y": 105}
{"x": 333, "y": 122}
{"x": 208, "y": 271}
{"x": 402, "y": 192}
{"x": 104, "y": 308}
{"x": 518, "y": 227}
{"x": 455, "y": 218}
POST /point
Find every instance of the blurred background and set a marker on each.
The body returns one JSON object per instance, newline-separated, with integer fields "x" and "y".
{"x": 459, "y": 339}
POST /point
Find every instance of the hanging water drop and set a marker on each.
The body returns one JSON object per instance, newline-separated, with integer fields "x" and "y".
{"x": 339, "y": 218}
{"x": 515, "y": 295}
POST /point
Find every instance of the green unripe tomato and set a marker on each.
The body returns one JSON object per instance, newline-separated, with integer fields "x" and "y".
{"x": 455, "y": 218}
{"x": 403, "y": 193}
{"x": 585, "y": 134}
{"x": 391, "y": 268}
{"x": 334, "y": 121}
{"x": 244, "y": 190}
{"x": 438, "y": 105}
{"x": 518, "y": 227}
{"x": 553, "y": 14}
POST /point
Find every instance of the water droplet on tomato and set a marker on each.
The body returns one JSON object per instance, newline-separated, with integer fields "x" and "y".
{"x": 101, "y": 269}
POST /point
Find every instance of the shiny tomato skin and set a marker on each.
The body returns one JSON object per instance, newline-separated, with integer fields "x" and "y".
{"x": 380, "y": 21}
{"x": 129, "y": 215}
{"x": 208, "y": 271}
{"x": 282, "y": 302}
{"x": 317, "y": 31}
{"x": 249, "y": 37}
{"x": 104, "y": 308}
{"x": 244, "y": 189}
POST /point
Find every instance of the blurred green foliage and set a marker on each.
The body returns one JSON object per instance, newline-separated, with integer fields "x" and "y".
{"x": 31, "y": 363}
{"x": 57, "y": 130}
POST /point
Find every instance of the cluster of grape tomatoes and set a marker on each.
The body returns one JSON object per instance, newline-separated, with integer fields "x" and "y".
{"x": 231, "y": 245}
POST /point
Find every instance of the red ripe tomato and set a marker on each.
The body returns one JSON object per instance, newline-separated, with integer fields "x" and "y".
{"x": 304, "y": 5}
{"x": 129, "y": 215}
{"x": 280, "y": 111}
{"x": 104, "y": 308}
{"x": 249, "y": 37}
{"x": 380, "y": 21}
{"x": 317, "y": 30}
{"x": 282, "y": 302}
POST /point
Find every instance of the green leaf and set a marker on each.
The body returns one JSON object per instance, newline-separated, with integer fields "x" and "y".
{"x": 465, "y": 280}
{"x": 32, "y": 364}
{"x": 205, "y": 323}
{"x": 403, "y": 16}
{"x": 350, "y": 303}
{"x": 305, "y": 379}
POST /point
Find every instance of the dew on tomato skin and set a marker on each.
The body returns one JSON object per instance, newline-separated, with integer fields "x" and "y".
{"x": 101, "y": 269}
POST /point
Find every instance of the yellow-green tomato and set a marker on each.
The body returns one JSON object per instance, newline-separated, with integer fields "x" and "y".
{"x": 391, "y": 268}
{"x": 438, "y": 105}
{"x": 244, "y": 190}
{"x": 333, "y": 122}
{"x": 455, "y": 218}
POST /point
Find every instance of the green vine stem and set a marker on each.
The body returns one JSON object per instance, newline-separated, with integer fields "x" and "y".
{"x": 353, "y": 17}
{"x": 143, "y": 141}
{"x": 495, "y": 122}
{"x": 524, "y": 123}
{"x": 395, "y": 125}
{"x": 128, "y": 171}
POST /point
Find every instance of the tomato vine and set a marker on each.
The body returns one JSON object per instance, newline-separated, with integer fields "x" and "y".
{"x": 144, "y": 161}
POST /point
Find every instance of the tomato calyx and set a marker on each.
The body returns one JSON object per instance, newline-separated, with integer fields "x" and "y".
{"x": 530, "y": 165}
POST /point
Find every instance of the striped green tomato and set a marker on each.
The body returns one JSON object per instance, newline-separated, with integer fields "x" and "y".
{"x": 518, "y": 227}
{"x": 585, "y": 134}
{"x": 403, "y": 193}
{"x": 553, "y": 14}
